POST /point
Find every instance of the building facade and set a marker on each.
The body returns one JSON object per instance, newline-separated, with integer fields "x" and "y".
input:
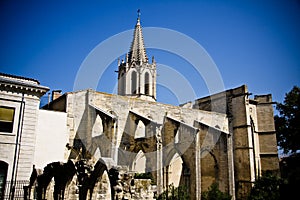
{"x": 19, "y": 107}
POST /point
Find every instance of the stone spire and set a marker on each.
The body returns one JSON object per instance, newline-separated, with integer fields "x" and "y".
{"x": 136, "y": 76}
{"x": 137, "y": 50}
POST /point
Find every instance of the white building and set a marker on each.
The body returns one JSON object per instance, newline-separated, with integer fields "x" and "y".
{"x": 21, "y": 120}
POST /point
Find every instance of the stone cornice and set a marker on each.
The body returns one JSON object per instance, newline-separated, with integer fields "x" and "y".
{"x": 21, "y": 85}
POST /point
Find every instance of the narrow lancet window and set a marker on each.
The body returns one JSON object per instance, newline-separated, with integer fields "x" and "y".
{"x": 133, "y": 83}
{"x": 147, "y": 85}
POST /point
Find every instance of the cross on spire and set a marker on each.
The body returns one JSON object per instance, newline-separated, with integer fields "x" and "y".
{"x": 139, "y": 13}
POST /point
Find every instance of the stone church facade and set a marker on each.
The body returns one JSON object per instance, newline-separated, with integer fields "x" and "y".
{"x": 128, "y": 146}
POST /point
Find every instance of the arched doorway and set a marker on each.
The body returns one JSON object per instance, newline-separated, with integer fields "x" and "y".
{"x": 3, "y": 175}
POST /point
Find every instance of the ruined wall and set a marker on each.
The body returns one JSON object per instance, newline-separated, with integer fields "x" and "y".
{"x": 117, "y": 119}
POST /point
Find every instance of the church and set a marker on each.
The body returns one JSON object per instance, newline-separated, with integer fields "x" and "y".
{"x": 129, "y": 146}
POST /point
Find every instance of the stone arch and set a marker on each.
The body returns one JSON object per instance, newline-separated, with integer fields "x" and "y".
{"x": 52, "y": 182}
{"x": 98, "y": 184}
{"x": 169, "y": 155}
{"x": 134, "y": 82}
{"x": 175, "y": 170}
{"x": 103, "y": 134}
{"x": 209, "y": 169}
{"x": 84, "y": 186}
{"x": 139, "y": 163}
{"x": 102, "y": 187}
{"x": 43, "y": 183}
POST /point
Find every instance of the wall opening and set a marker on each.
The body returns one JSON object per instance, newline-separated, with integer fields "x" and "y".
{"x": 140, "y": 131}
{"x": 175, "y": 170}
{"x": 147, "y": 84}
{"x": 133, "y": 83}
{"x": 139, "y": 163}
{"x": 97, "y": 129}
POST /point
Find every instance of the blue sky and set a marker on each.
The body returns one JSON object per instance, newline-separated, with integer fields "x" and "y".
{"x": 251, "y": 42}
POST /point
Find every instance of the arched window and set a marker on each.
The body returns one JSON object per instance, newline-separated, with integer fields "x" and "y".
{"x": 147, "y": 84}
{"x": 133, "y": 83}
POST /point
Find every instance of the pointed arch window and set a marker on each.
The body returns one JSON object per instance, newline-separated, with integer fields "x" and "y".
{"x": 140, "y": 131}
{"x": 147, "y": 85}
{"x": 133, "y": 83}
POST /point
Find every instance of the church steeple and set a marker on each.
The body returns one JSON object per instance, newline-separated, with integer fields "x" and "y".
{"x": 137, "y": 50}
{"x": 136, "y": 76}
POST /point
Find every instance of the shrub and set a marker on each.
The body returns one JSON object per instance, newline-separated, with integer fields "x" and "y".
{"x": 214, "y": 193}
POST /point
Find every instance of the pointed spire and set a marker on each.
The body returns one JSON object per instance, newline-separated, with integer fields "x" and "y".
{"x": 137, "y": 50}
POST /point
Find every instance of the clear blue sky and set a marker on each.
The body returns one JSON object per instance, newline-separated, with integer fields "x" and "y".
{"x": 252, "y": 42}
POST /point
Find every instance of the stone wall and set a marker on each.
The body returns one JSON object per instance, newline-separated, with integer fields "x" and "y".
{"x": 251, "y": 125}
{"x": 107, "y": 124}
{"x": 51, "y": 139}
{"x": 266, "y": 133}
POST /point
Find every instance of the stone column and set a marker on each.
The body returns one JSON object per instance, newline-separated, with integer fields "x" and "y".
{"x": 231, "y": 181}
{"x": 159, "y": 161}
{"x": 114, "y": 143}
{"x": 198, "y": 166}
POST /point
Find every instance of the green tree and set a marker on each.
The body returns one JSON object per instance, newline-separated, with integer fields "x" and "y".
{"x": 175, "y": 193}
{"x": 266, "y": 187}
{"x": 290, "y": 174}
{"x": 287, "y": 123}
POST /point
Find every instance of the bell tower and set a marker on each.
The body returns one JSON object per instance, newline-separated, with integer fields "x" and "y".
{"x": 136, "y": 76}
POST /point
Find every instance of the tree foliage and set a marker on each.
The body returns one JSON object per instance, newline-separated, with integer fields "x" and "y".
{"x": 288, "y": 122}
{"x": 290, "y": 173}
{"x": 214, "y": 193}
{"x": 175, "y": 193}
{"x": 266, "y": 187}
